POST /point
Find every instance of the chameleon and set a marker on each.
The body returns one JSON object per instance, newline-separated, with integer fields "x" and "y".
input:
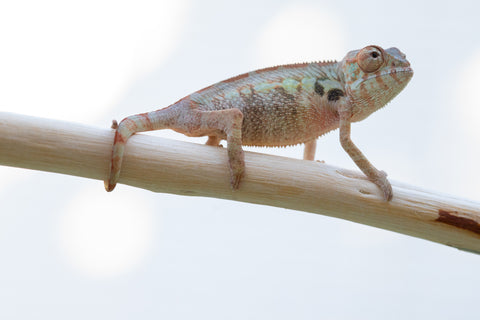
{"x": 281, "y": 106}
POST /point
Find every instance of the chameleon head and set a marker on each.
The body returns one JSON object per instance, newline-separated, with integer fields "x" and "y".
{"x": 372, "y": 77}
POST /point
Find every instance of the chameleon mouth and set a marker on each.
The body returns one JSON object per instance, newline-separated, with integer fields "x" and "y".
{"x": 398, "y": 70}
{"x": 400, "y": 74}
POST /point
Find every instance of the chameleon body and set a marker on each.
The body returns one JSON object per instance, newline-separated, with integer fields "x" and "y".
{"x": 281, "y": 106}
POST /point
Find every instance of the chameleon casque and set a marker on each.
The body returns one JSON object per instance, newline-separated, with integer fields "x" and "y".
{"x": 281, "y": 106}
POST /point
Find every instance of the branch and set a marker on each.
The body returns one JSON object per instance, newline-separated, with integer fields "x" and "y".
{"x": 163, "y": 165}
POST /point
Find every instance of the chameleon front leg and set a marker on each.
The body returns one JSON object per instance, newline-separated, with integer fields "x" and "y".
{"x": 376, "y": 176}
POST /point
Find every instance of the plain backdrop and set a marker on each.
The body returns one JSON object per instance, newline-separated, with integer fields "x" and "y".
{"x": 69, "y": 250}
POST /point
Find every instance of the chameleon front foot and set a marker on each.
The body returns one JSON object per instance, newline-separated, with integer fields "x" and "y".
{"x": 382, "y": 182}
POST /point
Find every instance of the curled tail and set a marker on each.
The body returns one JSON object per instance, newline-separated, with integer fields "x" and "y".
{"x": 124, "y": 130}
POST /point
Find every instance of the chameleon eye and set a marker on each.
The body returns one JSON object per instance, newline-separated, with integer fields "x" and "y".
{"x": 370, "y": 59}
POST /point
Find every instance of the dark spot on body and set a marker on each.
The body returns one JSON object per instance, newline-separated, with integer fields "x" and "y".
{"x": 319, "y": 88}
{"x": 453, "y": 219}
{"x": 335, "y": 94}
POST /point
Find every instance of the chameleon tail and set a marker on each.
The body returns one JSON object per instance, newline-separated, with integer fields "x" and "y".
{"x": 185, "y": 118}
{"x": 124, "y": 130}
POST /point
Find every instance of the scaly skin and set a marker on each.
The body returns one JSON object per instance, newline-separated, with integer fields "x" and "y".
{"x": 282, "y": 106}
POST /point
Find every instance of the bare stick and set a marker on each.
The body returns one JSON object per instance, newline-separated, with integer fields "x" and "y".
{"x": 163, "y": 165}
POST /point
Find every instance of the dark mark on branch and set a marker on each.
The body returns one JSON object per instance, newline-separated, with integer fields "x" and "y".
{"x": 453, "y": 219}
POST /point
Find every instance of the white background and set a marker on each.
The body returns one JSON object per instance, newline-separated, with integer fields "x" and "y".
{"x": 69, "y": 250}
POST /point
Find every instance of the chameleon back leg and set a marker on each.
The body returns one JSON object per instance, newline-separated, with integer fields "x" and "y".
{"x": 191, "y": 121}
{"x": 309, "y": 150}
{"x": 213, "y": 141}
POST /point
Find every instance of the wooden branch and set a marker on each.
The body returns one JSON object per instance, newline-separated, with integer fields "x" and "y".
{"x": 163, "y": 165}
